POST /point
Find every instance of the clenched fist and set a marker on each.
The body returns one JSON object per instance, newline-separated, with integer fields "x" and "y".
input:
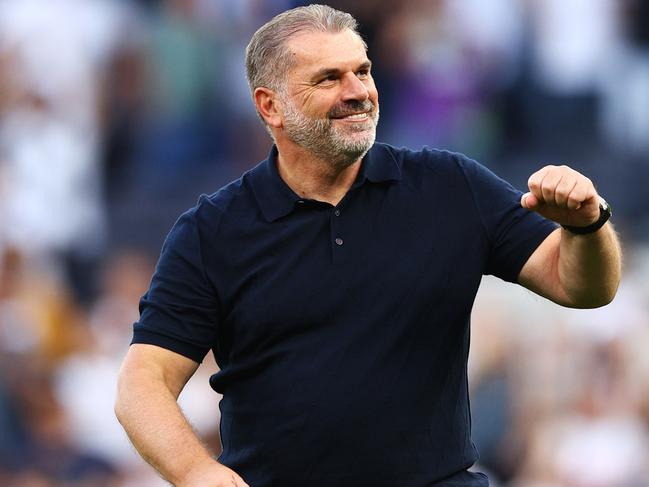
{"x": 563, "y": 195}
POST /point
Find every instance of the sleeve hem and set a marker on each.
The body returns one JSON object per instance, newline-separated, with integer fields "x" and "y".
{"x": 533, "y": 243}
{"x": 191, "y": 351}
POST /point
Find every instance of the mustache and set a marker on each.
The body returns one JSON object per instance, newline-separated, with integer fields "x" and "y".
{"x": 350, "y": 107}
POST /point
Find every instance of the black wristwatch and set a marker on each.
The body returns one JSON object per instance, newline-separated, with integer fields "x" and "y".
{"x": 605, "y": 213}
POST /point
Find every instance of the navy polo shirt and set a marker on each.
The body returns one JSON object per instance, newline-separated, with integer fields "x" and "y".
{"x": 341, "y": 332}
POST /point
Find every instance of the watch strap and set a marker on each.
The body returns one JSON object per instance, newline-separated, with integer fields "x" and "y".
{"x": 605, "y": 213}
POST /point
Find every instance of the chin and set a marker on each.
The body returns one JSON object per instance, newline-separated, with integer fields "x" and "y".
{"x": 352, "y": 153}
{"x": 358, "y": 144}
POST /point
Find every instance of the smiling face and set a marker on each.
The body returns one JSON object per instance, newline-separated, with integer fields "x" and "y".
{"x": 330, "y": 105}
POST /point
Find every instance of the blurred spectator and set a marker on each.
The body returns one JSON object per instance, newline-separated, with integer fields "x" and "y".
{"x": 570, "y": 41}
{"x": 179, "y": 124}
{"x": 37, "y": 315}
{"x": 47, "y": 453}
{"x": 625, "y": 84}
{"x": 444, "y": 71}
{"x": 53, "y": 59}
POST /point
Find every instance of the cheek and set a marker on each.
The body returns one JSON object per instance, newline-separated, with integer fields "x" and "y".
{"x": 319, "y": 106}
{"x": 373, "y": 92}
{"x": 374, "y": 98}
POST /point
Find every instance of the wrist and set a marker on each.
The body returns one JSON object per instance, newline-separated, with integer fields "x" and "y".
{"x": 198, "y": 471}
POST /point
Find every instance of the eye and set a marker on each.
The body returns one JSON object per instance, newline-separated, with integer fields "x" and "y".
{"x": 363, "y": 73}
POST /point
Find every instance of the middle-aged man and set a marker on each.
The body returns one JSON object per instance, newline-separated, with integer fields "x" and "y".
{"x": 334, "y": 282}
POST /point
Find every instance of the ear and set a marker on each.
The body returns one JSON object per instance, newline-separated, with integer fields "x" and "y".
{"x": 268, "y": 106}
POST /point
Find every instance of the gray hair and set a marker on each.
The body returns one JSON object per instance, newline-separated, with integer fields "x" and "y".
{"x": 267, "y": 57}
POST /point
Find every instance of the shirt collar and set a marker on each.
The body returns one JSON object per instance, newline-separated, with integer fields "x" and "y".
{"x": 276, "y": 199}
{"x": 379, "y": 165}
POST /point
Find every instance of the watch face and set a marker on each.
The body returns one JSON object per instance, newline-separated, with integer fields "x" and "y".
{"x": 604, "y": 205}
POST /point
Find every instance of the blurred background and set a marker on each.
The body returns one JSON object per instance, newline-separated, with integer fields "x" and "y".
{"x": 116, "y": 114}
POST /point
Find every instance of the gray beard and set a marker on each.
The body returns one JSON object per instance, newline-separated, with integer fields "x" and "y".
{"x": 321, "y": 138}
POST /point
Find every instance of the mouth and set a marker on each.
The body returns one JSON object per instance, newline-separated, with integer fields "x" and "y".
{"x": 354, "y": 117}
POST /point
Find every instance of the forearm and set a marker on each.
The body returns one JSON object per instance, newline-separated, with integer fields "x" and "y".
{"x": 149, "y": 384}
{"x": 589, "y": 267}
{"x": 579, "y": 271}
{"x": 151, "y": 417}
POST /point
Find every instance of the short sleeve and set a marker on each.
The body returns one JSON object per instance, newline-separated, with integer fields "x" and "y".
{"x": 513, "y": 231}
{"x": 180, "y": 311}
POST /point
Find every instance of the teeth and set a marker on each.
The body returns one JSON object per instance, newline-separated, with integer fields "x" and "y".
{"x": 357, "y": 115}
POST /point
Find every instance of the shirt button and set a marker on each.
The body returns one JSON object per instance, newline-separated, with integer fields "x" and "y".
{"x": 339, "y": 241}
{"x": 300, "y": 202}
{"x": 337, "y": 212}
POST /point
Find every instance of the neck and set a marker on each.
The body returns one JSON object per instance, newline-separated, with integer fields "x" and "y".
{"x": 314, "y": 178}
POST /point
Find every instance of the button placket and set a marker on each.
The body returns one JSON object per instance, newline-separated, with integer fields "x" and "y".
{"x": 337, "y": 236}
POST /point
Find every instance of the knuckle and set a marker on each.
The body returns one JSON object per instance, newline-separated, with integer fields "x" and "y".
{"x": 548, "y": 184}
{"x": 573, "y": 198}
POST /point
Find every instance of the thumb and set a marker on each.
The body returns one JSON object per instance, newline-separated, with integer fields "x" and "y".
{"x": 529, "y": 201}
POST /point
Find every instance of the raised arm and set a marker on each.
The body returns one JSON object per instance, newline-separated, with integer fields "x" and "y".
{"x": 150, "y": 381}
{"x": 579, "y": 271}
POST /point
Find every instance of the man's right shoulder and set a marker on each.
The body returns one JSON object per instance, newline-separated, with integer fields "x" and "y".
{"x": 231, "y": 201}
{"x": 236, "y": 196}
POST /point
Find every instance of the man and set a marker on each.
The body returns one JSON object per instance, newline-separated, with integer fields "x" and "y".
{"x": 334, "y": 283}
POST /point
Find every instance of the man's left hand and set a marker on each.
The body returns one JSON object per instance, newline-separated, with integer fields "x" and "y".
{"x": 563, "y": 195}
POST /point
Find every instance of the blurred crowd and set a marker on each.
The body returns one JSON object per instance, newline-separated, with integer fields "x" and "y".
{"x": 116, "y": 114}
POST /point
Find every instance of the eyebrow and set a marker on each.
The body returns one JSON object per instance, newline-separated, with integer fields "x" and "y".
{"x": 325, "y": 72}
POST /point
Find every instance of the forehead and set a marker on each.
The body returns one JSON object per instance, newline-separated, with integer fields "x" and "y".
{"x": 316, "y": 50}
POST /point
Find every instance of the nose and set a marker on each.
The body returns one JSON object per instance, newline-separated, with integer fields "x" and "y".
{"x": 354, "y": 88}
